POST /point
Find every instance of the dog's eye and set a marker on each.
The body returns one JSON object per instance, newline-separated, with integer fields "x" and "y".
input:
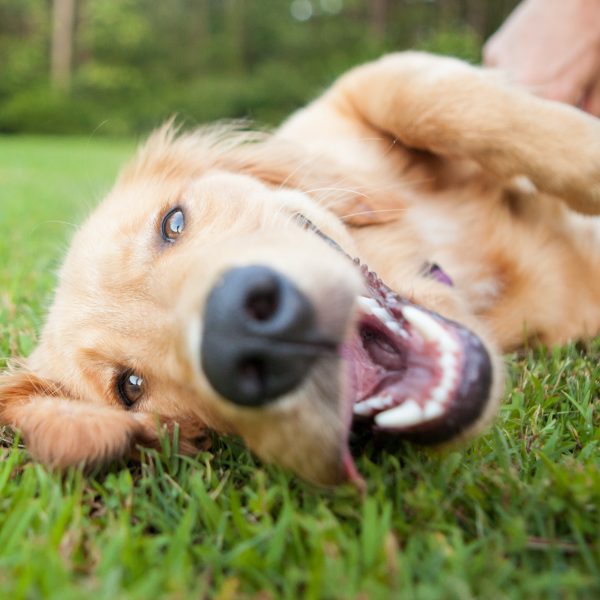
{"x": 130, "y": 388}
{"x": 172, "y": 225}
{"x": 309, "y": 225}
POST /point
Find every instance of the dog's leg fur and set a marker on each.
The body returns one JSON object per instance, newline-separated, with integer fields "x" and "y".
{"x": 450, "y": 108}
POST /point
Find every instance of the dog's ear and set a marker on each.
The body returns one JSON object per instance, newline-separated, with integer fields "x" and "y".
{"x": 61, "y": 431}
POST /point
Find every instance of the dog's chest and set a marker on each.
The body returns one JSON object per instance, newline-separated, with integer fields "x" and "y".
{"x": 458, "y": 239}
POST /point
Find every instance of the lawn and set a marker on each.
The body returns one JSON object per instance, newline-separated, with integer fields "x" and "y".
{"x": 514, "y": 515}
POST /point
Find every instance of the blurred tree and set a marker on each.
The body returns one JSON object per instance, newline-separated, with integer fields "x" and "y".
{"x": 379, "y": 12}
{"x": 128, "y": 64}
{"x": 63, "y": 18}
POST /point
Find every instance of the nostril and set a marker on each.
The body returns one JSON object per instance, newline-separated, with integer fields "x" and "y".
{"x": 261, "y": 305}
{"x": 252, "y": 377}
{"x": 260, "y": 336}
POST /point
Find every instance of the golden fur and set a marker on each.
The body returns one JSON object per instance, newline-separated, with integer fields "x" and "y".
{"x": 408, "y": 159}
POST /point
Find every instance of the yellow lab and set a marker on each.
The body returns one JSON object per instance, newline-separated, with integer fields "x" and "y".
{"x": 361, "y": 268}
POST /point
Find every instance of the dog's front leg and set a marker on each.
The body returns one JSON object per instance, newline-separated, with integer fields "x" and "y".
{"x": 450, "y": 108}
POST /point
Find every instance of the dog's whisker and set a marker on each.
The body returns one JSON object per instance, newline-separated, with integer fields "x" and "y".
{"x": 309, "y": 159}
{"x": 407, "y": 184}
{"x": 53, "y": 222}
{"x": 337, "y": 189}
{"x": 372, "y": 212}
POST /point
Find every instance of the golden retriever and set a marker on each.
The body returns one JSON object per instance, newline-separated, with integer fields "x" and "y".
{"x": 361, "y": 268}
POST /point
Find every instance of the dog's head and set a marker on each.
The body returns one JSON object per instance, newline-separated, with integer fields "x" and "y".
{"x": 206, "y": 291}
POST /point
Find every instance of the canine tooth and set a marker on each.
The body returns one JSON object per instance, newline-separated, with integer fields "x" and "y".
{"x": 367, "y": 304}
{"x": 431, "y": 330}
{"x": 427, "y": 327}
{"x": 407, "y": 414}
{"x": 432, "y": 410}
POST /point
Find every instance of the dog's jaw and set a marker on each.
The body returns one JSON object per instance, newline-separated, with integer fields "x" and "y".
{"x": 412, "y": 374}
{"x": 400, "y": 372}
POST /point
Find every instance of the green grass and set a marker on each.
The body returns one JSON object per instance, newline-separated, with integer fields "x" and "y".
{"x": 515, "y": 515}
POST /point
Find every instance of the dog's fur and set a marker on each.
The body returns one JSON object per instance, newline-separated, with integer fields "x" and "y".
{"x": 409, "y": 159}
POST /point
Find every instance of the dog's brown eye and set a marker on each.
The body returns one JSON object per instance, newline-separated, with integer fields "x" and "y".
{"x": 130, "y": 388}
{"x": 173, "y": 225}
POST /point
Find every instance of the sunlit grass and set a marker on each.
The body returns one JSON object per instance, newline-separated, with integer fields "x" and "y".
{"x": 515, "y": 515}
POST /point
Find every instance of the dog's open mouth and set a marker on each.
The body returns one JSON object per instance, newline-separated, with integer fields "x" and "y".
{"x": 413, "y": 374}
{"x": 406, "y": 372}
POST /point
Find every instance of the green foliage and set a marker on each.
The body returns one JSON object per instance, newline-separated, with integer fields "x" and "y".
{"x": 514, "y": 515}
{"x": 460, "y": 42}
{"x": 24, "y": 31}
{"x": 43, "y": 110}
{"x": 137, "y": 62}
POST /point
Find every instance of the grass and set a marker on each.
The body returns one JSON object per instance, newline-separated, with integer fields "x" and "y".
{"x": 515, "y": 515}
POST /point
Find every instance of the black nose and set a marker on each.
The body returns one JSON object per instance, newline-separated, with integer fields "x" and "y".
{"x": 260, "y": 336}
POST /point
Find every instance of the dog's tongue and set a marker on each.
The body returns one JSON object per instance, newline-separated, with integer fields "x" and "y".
{"x": 351, "y": 472}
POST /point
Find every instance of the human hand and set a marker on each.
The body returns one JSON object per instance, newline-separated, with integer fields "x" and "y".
{"x": 553, "y": 48}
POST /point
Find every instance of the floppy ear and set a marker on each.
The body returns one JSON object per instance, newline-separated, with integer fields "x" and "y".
{"x": 61, "y": 431}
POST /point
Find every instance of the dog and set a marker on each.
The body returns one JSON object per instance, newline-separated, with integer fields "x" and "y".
{"x": 362, "y": 268}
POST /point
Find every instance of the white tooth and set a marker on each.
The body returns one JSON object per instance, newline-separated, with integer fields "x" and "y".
{"x": 432, "y": 411}
{"x": 366, "y": 408}
{"x": 381, "y": 314}
{"x": 368, "y": 305}
{"x": 430, "y": 329}
{"x": 448, "y": 362}
{"x": 362, "y": 409}
{"x": 440, "y": 394}
{"x": 379, "y": 402}
{"x": 376, "y": 403}
{"x": 448, "y": 344}
{"x": 427, "y": 327}
{"x": 407, "y": 414}
{"x": 395, "y": 328}
{"x": 448, "y": 380}
{"x": 371, "y": 307}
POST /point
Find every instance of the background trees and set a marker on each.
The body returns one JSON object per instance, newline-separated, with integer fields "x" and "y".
{"x": 121, "y": 66}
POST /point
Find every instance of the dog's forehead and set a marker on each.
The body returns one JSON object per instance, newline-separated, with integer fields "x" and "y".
{"x": 107, "y": 290}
